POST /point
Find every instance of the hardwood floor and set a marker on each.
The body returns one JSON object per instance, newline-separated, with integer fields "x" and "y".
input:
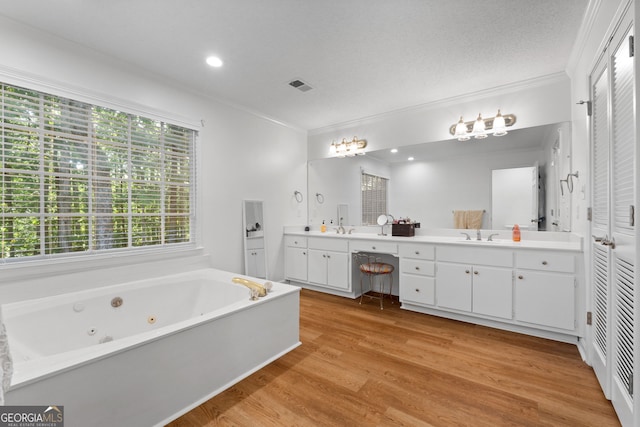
{"x": 360, "y": 366}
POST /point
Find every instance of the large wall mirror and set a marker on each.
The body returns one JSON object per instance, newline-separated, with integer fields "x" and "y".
{"x": 446, "y": 176}
{"x": 255, "y": 257}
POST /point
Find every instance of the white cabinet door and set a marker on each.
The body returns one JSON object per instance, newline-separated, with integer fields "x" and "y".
{"x": 545, "y": 299}
{"x": 328, "y": 268}
{"x": 317, "y": 267}
{"x": 453, "y": 286}
{"x": 493, "y": 291}
{"x": 255, "y": 262}
{"x": 338, "y": 270}
{"x": 296, "y": 263}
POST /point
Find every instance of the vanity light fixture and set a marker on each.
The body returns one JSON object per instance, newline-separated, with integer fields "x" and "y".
{"x": 481, "y": 128}
{"x": 346, "y": 148}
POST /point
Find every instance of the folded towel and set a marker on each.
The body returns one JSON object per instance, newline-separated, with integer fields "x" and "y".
{"x": 474, "y": 219}
{"x": 459, "y": 219}
{"x": 6, "y": 364}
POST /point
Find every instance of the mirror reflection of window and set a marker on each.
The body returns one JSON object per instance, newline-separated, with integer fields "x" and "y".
{"x": 374, "y": 198}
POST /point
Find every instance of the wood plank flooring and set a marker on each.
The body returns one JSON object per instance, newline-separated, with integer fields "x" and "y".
{"x": 360, "y": 366}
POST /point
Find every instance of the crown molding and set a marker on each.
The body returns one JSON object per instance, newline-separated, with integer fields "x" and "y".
{"x": 584, "y": 31}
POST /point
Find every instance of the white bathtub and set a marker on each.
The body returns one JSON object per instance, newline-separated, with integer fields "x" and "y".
{"x": 173, "y": 343}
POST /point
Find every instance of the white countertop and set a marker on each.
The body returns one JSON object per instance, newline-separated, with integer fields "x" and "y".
{"x": 529, "y": 240}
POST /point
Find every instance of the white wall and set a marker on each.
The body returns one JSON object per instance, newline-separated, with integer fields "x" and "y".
{"x": 242, "y": 156}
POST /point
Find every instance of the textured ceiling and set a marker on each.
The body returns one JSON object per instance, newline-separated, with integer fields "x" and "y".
{"x": 362, "y": 57}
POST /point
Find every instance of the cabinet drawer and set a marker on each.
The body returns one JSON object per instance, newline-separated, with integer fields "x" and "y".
{"x": 409, "y": 250}
{"x": 545, "y": 261}
{"x": 417, "y": 289}
{"x": 372, "y": 246}
{"x": 328, "y": 244}
{"x": 295, "y": 241}
{"x": 254, "y": 242}
{"x": 477, "y": 256}
{"x": 416, "y": 266}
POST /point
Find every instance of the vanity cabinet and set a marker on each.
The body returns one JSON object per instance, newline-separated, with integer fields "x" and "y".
{"x": 295, "y": 258}
{"x": 476, "y": 280}
{"x": 417, "y": 271}
{"x": 328, "y": 263}
{"x": 545, "y": 289}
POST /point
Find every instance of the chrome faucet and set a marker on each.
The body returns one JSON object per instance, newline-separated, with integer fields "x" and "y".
{"x": 466, "y": 234}
{"x": 490, "y": 239}
{"x": 340, "y": 229}
{"x": 478, "y": 235}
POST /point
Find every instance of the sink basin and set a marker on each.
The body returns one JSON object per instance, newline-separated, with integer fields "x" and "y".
{"x": 490, "y": 242}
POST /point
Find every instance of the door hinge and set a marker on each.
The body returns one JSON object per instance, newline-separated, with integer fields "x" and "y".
{"x": 632, "y": 215}
{"x": 589, "y": 320}
{"x": 589, "y": 214}
{"x": 631, "y": 47}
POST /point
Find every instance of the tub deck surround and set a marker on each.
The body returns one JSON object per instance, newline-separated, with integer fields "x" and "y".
{"x": 173, "y": 343}
{"x": 535, "y": 286}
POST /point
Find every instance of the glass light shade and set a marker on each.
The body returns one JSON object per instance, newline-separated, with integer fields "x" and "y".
{"x": 461, "y": 131}
{"x": 332, "y": 149}
{"x": 499, "y": 126}
{"x": 479, "y": 128}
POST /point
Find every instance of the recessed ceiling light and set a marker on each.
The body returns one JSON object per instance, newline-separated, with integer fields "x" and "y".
{"x": 214, "y": 61}
{"x": 394, "y": 150}
{"x": 410, "y": 159}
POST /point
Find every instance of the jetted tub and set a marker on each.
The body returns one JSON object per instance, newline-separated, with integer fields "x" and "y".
{"x": 145, "y": 352}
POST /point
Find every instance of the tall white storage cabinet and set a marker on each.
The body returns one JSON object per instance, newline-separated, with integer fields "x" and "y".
{"x": 615, "y": 333}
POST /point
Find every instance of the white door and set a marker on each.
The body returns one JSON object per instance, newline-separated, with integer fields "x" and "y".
{"x": 622, "y": 243}
{"x": 600, "y": 270}
{"x": 613, "y": 249}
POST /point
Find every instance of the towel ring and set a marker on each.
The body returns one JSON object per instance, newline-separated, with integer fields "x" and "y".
{"x": 298, "y": 196}
{"x": 320, "y": 198}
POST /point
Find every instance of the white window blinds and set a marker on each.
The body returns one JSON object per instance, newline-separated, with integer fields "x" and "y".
{"x": 374, "y": 198}
{"x": 78, "y": 177}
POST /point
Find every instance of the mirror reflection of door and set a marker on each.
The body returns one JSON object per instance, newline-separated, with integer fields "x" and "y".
{"x": 514, "y": 198}
{"x": 255, "y": 260}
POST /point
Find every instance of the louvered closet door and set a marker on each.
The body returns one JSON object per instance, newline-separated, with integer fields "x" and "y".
{"x": 601, "y": 328}
{"x": 623, "y": 253}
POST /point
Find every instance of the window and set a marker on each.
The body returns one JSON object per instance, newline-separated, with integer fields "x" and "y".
{"x": 78, "y": 177}
{"x": 374, "y": 198}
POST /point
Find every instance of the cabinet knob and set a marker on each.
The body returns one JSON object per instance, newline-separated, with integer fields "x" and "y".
{"x": 544, "y": 263}
{"x": 521, "y": 277}
{"x": 417, "y": 268}
{"x": 467, "y": 271}
{"x": 295, "y": 242}
{"x": 417, "y": 252}
{"x": 475, "y": 272}
{"x": 324, "y": 255}
{"x": 417, "y": 290}
{"x": 373, "y": 247}
{"x": 328, "y": 256}
{"x": 304, "y": 253}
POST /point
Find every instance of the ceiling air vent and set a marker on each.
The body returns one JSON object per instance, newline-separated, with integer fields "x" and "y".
{"x": 300, "y": 85}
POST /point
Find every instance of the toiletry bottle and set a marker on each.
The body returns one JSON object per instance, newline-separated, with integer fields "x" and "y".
{"x": 323, "y": 227}
{"x": 516, "y": 233}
